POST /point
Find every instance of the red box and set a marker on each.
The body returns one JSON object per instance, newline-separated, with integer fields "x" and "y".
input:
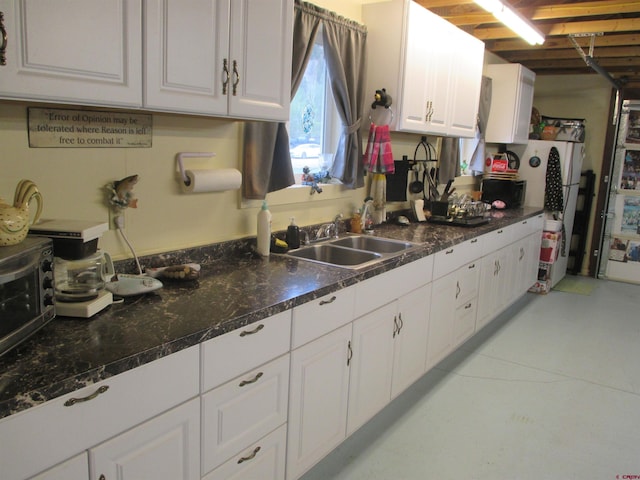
{"x": 549, "y": 248}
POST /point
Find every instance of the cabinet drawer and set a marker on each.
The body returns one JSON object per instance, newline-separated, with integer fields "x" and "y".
{"x": 54, "y": 432}
{"x": 497, "y": 239}
{"x": 322, "y": 315}
{"x": 384, "y": 288}
{"x": 452, "y": 258}
{"x": 243, "y": 410}
{"x": 264, "y": 460}
{"x": 234, "y": 353}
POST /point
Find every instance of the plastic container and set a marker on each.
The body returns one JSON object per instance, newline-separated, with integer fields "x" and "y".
{"x": 264, "y": 230}
{"x": 293, "y": 235}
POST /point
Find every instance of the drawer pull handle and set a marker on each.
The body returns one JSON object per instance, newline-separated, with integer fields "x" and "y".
{"x": 249, "y": 457}
{"x": 102, "y": 477}
{"x": 467, "y": 306}
{"x": 327, "y": 302}
{"x": 349, "y": 353}
{"x": 253, "y": 380}
{"x": 244, "y": 333}
{"x": 475, "y": 240}
{"x": 472, "y": 266}
{"x": 73, "y": 401}
{"x": 448, "y": 251}
{"x": 500, "y": 231}
{"x": 225, "y": 70}
{"x": 3, "y": 37}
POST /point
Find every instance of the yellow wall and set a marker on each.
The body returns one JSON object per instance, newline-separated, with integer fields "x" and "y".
{"x": 72, "y": 179}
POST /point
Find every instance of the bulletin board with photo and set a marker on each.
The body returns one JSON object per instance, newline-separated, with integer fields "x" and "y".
{"x": 630, "y": 176}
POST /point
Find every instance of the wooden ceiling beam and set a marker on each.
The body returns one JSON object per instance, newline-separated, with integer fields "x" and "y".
{"x": 551, "y": 12}
{"x": 611, "y": 52}
{"x": 609, "y": 40}
{"x": 565, "y": 28}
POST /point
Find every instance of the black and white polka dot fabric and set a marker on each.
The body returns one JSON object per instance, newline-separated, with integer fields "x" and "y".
{"x": 553, "y": 199}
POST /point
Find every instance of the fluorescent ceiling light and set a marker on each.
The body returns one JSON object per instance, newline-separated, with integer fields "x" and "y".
{"x": 513, "y": 19}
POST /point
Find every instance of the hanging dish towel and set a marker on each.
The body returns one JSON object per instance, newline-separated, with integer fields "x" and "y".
{"x": 378, "y": 157}
{"x": 553, "y": 196}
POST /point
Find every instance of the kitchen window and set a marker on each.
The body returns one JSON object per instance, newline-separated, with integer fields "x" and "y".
{"x": 313, "y": 120}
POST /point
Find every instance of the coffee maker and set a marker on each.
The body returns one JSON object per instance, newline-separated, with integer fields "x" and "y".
{"x": 81, "y": 271}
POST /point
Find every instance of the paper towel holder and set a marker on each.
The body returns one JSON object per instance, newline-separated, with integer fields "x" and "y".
{"x": 179, "y": 160}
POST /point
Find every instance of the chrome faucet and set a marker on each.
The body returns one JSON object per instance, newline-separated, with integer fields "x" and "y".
{"x": 329, "y": 230}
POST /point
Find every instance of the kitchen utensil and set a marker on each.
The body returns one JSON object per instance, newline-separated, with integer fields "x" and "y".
{"x": 416, "y": 186}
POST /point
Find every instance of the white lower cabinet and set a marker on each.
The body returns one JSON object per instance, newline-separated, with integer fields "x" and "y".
{"x": 164, "y": 448}
{"x": 264, "y": 460}
{"x": 372, "y": 364}
{"x": 62, "y": 428}
{"x": 76, "y": 468}
{"x": 243, "y": 410}
{"x": 453, "y": 311}
{"x": 389, "y": 348}
{"x": 318, "y": 396}
{"x": 495, "y": 285}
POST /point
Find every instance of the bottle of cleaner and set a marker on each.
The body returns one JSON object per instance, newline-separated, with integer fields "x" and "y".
{"x": 293, "y": 235}
{"x": 264, "y": 230}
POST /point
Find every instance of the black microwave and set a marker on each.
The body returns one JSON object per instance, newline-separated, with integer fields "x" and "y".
{"x": 511, "y": 192}
{"x": 26, "y": 290}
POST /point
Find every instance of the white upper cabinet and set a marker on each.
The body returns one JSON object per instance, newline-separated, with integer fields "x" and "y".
{"x": 219, "y": 57}
{"x": 76, "y": 51}
{"x": 432, "y": 69}
{"x": 511, "y": 102}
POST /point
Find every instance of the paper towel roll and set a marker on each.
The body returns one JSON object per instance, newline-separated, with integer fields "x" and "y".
{"x": 212, "y": 180}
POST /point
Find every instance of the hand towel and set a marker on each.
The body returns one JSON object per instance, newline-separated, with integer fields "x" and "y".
{"x": 378, "y": 156}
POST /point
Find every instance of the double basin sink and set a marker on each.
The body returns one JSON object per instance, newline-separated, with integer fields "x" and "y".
{"x": 354, "y": 251}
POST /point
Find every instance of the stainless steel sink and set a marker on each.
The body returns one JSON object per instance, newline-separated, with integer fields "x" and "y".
{"x": 344, "y": 257}
{"x": 373, "y": 244}
{"x": 352, "y": 251}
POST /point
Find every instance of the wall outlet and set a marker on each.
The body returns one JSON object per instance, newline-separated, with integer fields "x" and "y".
{"x": 115, "y": 216}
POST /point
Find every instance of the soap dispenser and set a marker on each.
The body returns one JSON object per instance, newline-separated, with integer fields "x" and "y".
{"x": 293, "y": 235}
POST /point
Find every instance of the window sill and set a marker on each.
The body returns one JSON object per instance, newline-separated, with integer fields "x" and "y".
{"x": 299, "y": 194}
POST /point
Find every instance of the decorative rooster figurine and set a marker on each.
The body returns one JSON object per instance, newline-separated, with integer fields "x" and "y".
{"x": 14, "y": 220}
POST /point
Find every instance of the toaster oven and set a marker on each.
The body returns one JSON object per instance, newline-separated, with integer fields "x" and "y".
{"x": 26, "y": 290}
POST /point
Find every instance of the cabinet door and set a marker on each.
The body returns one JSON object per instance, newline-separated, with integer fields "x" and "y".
{"x": 443, "y": 308}
{"x": 76, "y": 468}
{"x": 264, "y": 460}
{"x": 243, "y": 410}
{"x": 76, "y": 51}
{"x": 185, "y": 53}
{"x": 318, "y": 396}
{"x": 488, "y": 291}
{"x": 372, "y": 364}
{"x": 464, "y": 83}
{"x": 410, "y": 350}
{"x": 164, "y": 448}
{"x": 261, "y": 43}
{"x": 416, "y": 80}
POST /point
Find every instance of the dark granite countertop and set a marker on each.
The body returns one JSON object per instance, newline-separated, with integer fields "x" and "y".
{"x": 233, "y": 290}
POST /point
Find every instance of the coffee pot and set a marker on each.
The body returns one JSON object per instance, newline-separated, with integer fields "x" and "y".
{"x": 83, "y": 279}
{"x": 14, "y": 219}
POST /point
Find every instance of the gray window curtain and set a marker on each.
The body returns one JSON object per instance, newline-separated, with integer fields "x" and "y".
{"x": 345, "y": 53}
{"x": 266, "y": 159}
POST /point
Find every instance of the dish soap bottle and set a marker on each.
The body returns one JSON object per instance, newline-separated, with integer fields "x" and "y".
{"x": 293, "y": 235}
{"x": 264, "y": 230}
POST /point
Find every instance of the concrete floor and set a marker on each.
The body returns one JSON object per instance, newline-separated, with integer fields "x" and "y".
{"x": 549, "y": 390}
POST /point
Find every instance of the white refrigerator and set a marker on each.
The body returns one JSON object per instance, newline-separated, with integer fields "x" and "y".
{"x": 533, "y": 168}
